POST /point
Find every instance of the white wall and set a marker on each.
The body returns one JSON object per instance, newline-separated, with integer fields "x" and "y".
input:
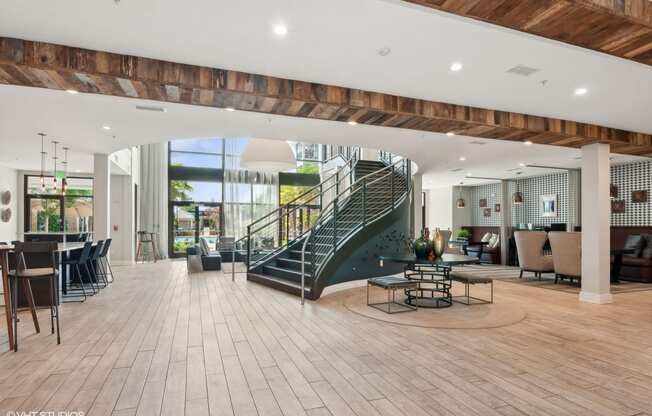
{"x": 440, "y": 208}
{"x": 122, "y": 213}
{"x": 461, "y": 216}
{"x": 9, "y": 182}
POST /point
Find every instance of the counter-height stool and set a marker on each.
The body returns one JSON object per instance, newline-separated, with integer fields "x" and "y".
{"x": 76, "y": 264}
{"x": 34, "y": 261}
{"x": 103, "y": 261}
{"x": 95, "y": 264}
{"x": 145, "y": 239}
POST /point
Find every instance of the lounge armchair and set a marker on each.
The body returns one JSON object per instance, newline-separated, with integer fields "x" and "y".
{"x": 566, "y": 254}
{"x": 530, "y": 253}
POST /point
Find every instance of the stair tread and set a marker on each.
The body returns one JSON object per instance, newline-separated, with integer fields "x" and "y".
{"x": 279, "y": 280}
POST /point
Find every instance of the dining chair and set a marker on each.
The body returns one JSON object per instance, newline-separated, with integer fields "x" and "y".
{"x": 529, "y": 245}
{"x": 34, "y": 261}
{"x": 566, "y": 254}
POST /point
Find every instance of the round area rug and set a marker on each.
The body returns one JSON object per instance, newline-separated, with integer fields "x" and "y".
{"x": 457, "y": 316}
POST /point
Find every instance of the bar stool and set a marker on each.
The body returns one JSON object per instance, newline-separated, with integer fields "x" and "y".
{"x": 38, "y": 252}
{"x": 76, "y": 264}
{"x": 145, "y": 238}
{"x": 95, "y": 264}
{"x": 104, "y": 260}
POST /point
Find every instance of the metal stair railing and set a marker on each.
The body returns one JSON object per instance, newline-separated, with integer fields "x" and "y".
{"x": 354, "y": 208}
{"x": 285, "y": 225}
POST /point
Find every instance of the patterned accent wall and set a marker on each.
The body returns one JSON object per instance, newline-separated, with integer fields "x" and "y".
{"x": 627, "y": 177}
{"x": 633, "y": 177}
{"x": 532, "y": 188}
{"x": 492, "y": 193}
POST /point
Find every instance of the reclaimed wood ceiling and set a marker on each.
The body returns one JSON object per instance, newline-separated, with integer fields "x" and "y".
{"x": 45, "y": 65}
{"x": 621, "y": 28}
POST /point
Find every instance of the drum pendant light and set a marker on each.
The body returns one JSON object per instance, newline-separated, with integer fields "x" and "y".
{"x": 518, "y": 196}
{"x": 460, "y": 201}
{"x": 264, "y": 155}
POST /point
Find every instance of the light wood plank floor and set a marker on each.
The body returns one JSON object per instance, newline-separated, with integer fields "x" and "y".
{"x": 160, "y": 342}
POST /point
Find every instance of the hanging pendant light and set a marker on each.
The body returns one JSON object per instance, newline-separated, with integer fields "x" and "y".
{"x": 54, "y": 171}
{"x": 64, "y": 181}
{"x": 460, "y": 201}
{"x": 268, "y": 156}
{"x": 517, "y": 198}
{"x": 42, "y": 161}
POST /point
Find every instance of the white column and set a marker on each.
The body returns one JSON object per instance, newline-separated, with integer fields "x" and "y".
{"x": 417, "y": 202}
{"x": 101, "y": 196}
{"x": 506, "y": 223}
{"x": 595, "y": 224}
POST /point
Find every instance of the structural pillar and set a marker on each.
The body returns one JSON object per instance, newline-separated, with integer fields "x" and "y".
{"x": 417, "y": 204}
{"x": 101, "y": 196}
{"x": 506, "y": 224}
{"x": 595, "y": 224}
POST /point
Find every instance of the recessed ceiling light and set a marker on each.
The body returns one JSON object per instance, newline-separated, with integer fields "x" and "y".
{"x": 77, "y": 170}
{"x": 450, "y": 133}
{"x": 384, "y": 51}
{"x": 527, "y": 142}
{"x": 230, "y": 109}
{"x": 521, "y": 164}
{"x": 105, "y": 127}
{"x": 280, "y": 30}
{"x": 72, "y": 91}
{"x": 462, "y": 158}
{"x": 456, "y": 66}
{"x": 581, "y": 91}
{"x": 353, "y": 123}
{"x": 469, "y": 174}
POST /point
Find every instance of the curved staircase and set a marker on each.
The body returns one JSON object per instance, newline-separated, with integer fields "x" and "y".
{"x": 359, "y": 201}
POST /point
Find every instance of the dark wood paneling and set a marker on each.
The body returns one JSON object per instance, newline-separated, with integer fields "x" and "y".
{"x": 621, "y": 28}
{"x": 44, "y": 65}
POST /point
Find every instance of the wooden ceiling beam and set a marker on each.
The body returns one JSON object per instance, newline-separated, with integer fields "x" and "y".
{"x": 45, "y": 65}
{"x": 622, "y": 28}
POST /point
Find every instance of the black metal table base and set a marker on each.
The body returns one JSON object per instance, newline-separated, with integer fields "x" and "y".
{"x": 434, "y": 289}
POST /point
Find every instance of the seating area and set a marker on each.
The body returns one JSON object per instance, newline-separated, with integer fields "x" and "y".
{"x": 341, "y": 208}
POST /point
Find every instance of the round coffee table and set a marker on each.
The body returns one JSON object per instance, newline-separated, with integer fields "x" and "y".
{"x": 433, "y": 276}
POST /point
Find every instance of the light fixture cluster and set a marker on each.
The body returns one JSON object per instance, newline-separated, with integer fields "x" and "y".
{"x": 56, "y": 174}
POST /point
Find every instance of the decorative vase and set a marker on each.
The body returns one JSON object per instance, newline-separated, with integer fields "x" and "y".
{"x": 421, "y": 247}
{"x": 438, "y": 244}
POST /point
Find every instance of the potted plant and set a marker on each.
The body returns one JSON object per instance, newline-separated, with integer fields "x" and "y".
{"x": 463, "y": 234}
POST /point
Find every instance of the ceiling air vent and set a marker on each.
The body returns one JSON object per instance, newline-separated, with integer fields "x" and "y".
{"x": 522, "y": 70}
{"x": 150, "y": 108}
{"x": 457, "y": 170}
{"x": 478, "y": 142}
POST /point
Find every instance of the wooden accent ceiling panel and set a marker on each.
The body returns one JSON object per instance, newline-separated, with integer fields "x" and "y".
{"x": 44, "y": 65}
{"x": 618, "y": 27}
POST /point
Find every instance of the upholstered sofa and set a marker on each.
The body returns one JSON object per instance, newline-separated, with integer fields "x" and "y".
{"x": 638, "y": 265}
{"x": 489, "y": 254}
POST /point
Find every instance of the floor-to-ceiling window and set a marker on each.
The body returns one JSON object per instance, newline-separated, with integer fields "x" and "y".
{"x": 210, "y": 195}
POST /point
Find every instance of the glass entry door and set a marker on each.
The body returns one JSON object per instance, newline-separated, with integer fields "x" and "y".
{"x": 191, "y": 221}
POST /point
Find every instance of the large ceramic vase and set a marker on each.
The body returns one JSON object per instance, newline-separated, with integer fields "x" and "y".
{"x": 421, "y": 247}
{"x": 438, "y": 243}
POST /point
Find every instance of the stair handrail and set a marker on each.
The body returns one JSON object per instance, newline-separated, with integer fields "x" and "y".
{"x": 290, "y": 208}
{"x": 350, "y": 162}
{"x": 303, "y": 267}
{"x": 324, "y": 216}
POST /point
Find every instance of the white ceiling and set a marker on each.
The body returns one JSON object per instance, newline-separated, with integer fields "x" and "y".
{"x": 336, "y": 42}
{"x": 77, "y": 120}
